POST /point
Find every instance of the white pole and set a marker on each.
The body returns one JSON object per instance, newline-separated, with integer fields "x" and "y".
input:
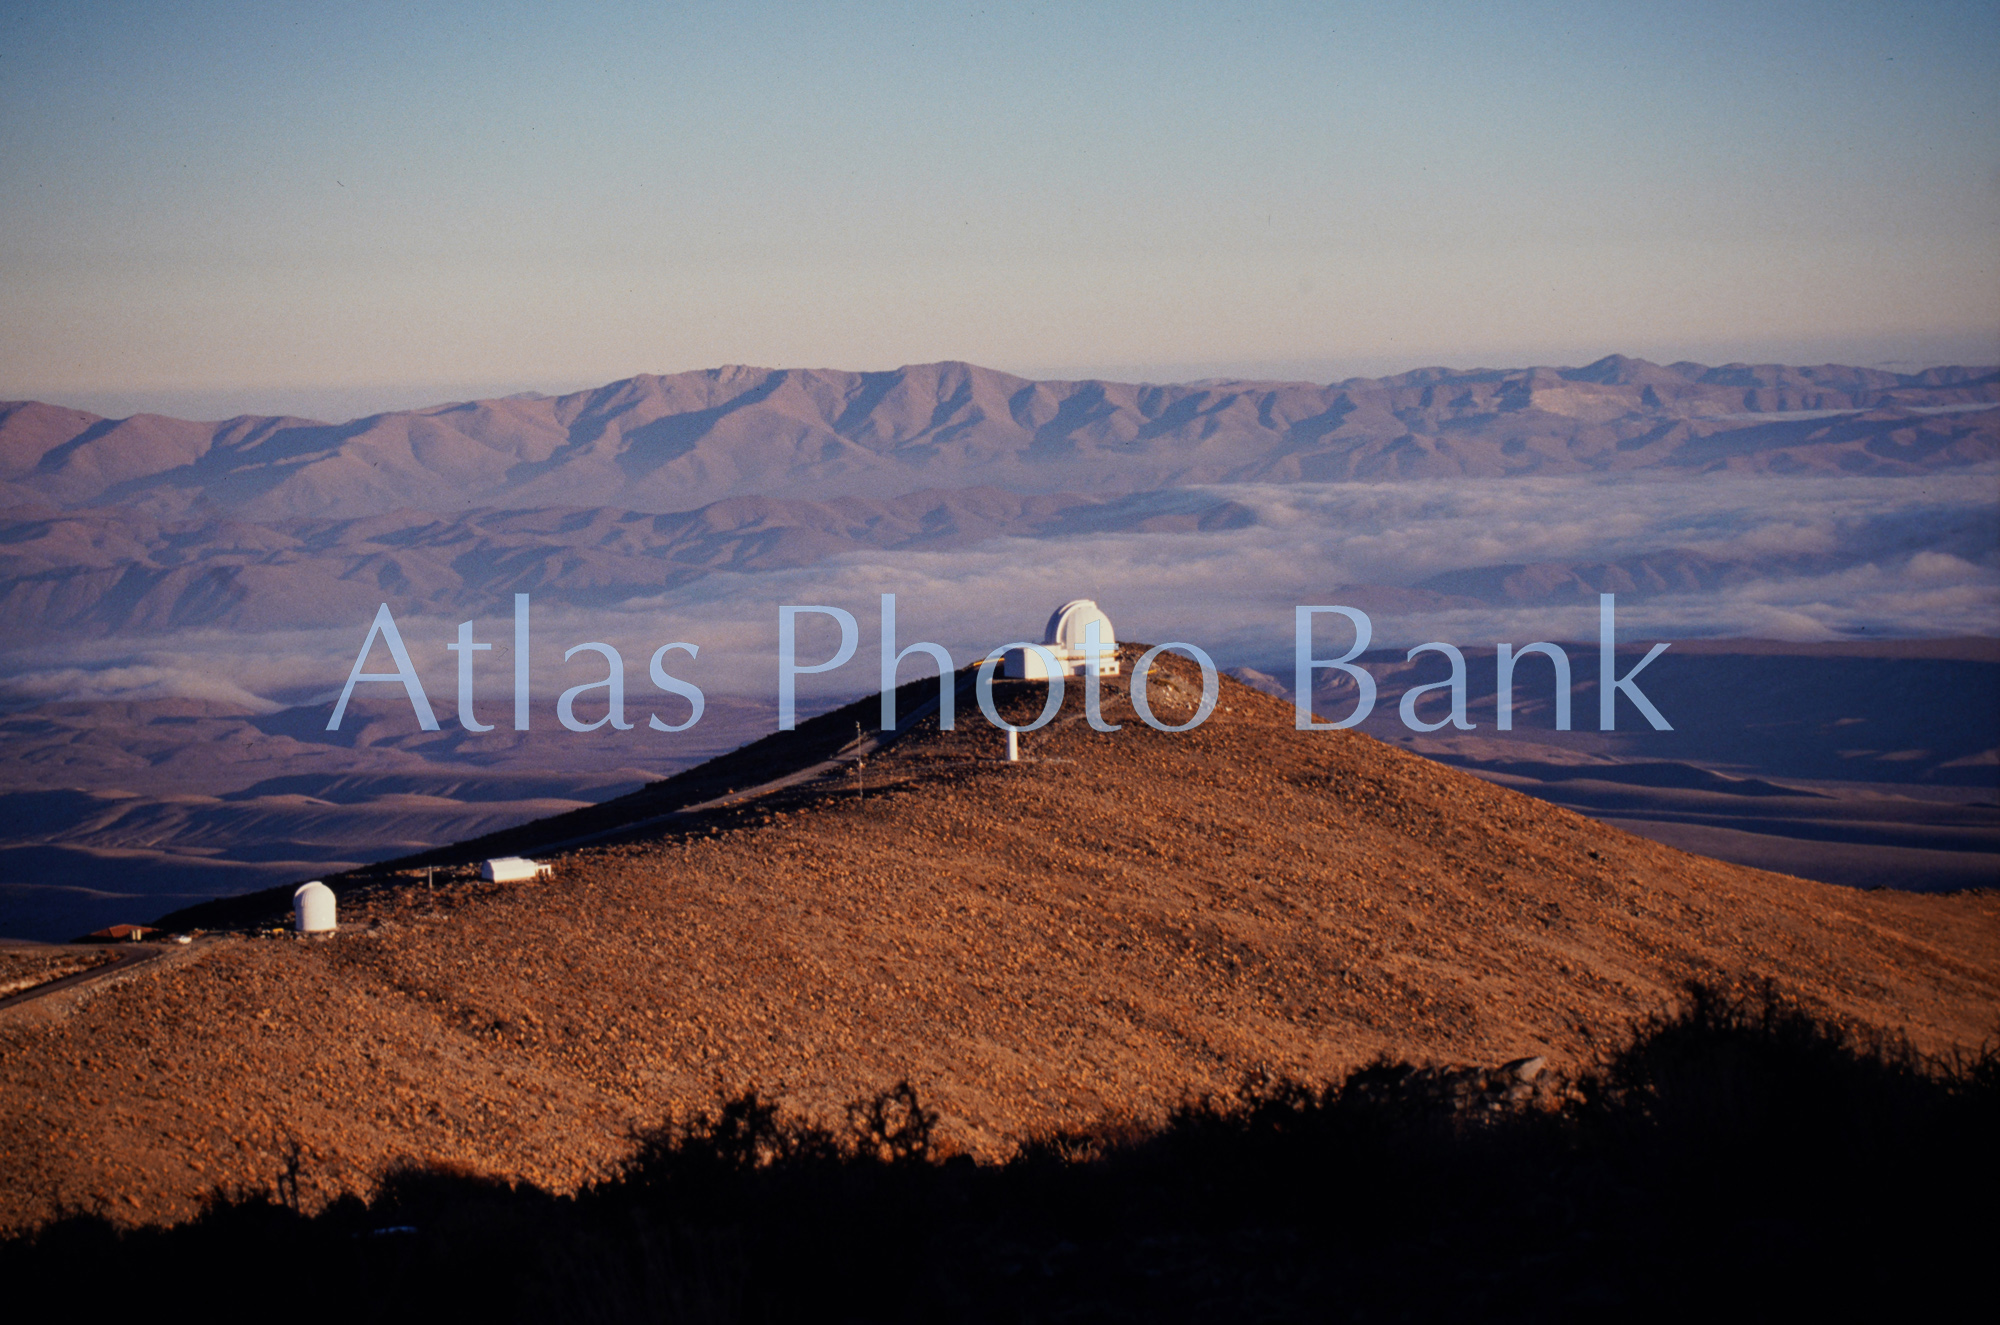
{"x": 1013, "y": 746}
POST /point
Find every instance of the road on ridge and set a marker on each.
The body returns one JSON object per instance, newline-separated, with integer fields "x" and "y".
{"x": 125, "y": 957}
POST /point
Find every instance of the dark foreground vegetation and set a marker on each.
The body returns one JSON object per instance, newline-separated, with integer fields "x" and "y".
{"x": 1740, "y": 1158}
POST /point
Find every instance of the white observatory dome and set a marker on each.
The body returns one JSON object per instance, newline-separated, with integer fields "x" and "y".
{"x": 312, "y": 908}
{"x": 1068, "y": 623}
{"x": 1066, "y": 638}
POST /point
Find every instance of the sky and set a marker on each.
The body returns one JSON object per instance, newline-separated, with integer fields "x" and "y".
{"x": 214, "y": 208}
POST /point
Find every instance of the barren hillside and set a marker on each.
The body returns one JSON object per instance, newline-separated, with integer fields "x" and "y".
{"x": 1117, "y": 920}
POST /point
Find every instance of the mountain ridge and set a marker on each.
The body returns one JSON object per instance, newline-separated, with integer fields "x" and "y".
{"x": 676, "y": 442}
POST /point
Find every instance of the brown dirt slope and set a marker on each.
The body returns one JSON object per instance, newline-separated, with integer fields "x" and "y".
{"x": 1119, "y": 920}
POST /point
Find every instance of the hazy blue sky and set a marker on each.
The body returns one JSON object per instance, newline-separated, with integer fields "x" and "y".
{"x": 347, "y": 207}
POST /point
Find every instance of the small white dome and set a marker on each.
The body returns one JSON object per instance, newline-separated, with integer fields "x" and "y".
{"x": 1072, "y": 619}
{"x": 313, "y": 908}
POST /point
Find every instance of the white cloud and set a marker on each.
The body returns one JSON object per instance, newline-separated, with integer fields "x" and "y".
{"x": 1908, "y": 556}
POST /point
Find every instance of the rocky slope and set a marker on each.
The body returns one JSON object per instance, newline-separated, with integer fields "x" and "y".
{"x": 1120, "y": 919}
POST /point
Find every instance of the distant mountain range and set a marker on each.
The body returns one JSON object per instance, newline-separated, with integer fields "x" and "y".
{"x": 664, "y": 444}
{"x": 99, "y": 570}
{"x": 152, "y": 524}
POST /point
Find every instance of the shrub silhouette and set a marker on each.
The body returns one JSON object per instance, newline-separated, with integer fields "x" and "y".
{"x": 893, "y": 1126}
{"x": 1741, "y": 1150}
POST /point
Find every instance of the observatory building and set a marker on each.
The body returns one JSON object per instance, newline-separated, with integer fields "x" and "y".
{"x": 1065, "y": 639}
{"x": 313, "y": 908}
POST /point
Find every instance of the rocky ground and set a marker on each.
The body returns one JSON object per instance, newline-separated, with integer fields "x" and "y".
{"x": 24, "y": 966}
{"x": 1115, "y": 922}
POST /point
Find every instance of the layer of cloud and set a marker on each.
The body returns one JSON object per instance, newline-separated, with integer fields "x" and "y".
{"x": 1880, "y": 557}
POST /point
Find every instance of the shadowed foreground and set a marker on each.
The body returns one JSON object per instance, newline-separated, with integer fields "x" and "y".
{"x": 1741, "y": 1150}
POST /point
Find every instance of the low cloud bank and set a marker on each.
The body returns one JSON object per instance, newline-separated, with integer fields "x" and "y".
{"x": 1791, "y": 558}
